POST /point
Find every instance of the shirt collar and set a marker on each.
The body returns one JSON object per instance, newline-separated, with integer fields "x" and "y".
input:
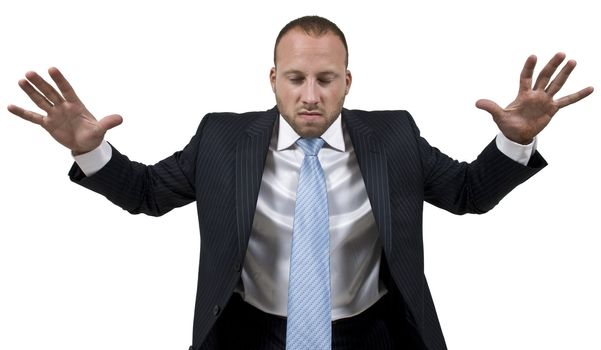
{"x": 333, "y": 136}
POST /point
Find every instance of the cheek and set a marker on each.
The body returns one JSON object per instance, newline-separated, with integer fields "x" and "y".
{"x": 286, "y": 95}
{"x": 285, "y": 101}
{"x": 334, "y": 96}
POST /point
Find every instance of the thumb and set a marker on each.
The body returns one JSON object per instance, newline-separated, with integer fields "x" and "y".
{"x": 489, "y": 106}
{"x": 110, "y": 121}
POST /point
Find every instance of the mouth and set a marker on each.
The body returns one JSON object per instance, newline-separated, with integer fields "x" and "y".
{"x": 310, "y": 115}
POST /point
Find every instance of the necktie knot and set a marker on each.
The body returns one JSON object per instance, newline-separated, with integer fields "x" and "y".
{"x": 310, "y": 146}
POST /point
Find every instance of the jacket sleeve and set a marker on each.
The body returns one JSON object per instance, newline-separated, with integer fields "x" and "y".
{"x": 149, "y": 189}
{"x": 475, "y": 187}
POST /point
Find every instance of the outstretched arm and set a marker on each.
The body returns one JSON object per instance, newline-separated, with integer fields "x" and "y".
{"x": 535, "y": 106}
{"x": 67, "y": 120}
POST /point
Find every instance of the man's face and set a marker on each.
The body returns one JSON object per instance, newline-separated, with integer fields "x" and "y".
{"x": 310, "y": 81}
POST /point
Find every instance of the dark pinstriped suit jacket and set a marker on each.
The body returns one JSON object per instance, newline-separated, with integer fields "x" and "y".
{"x": 221, "y": 169}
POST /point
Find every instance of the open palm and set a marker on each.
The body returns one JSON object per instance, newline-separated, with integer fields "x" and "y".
{"x": 67, "y": 119}
{"x": 535, "y": 106}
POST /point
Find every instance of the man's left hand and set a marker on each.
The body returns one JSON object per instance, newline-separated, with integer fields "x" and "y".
{"x": 534, "y": 106}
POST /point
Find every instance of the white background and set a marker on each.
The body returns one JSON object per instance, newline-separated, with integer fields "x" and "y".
{"x": 77, "y": 272}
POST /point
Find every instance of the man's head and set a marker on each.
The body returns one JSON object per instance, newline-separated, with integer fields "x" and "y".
{"x": 310, "y": 78}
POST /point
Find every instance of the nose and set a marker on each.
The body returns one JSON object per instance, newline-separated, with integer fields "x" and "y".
{"x": 310, "y": 93}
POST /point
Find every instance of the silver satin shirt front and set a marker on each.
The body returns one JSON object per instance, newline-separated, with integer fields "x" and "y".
{"x": 355, "y": 249}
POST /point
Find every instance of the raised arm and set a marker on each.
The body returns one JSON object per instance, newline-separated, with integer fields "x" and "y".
{"x": 67, "y": 120}
{"x": 535, "y": 106}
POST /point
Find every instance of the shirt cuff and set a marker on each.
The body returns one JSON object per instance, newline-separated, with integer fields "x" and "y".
{"x": 516, "y": 151}
{"x": 94, "y": 160}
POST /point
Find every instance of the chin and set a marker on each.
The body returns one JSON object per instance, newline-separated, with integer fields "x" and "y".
{"x": 310, "y": 131}
{"x": 312, "y": 134}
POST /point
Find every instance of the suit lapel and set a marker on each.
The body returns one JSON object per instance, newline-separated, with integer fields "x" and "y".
{"x": 371, "y": 156}
{"x": 251, "y": 151}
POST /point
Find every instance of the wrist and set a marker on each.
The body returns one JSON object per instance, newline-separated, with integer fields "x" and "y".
{"x": 80, "y": 151}
{"x": 517, "y": 139}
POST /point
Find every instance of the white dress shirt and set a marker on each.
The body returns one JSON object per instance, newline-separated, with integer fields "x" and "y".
{"x": 354, "y": 245}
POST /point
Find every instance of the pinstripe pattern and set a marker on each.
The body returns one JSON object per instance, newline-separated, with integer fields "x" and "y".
{"x": 221, "y": 169}
{"x": 251, "y": 150}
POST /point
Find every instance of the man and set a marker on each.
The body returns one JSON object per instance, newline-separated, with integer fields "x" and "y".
{"x": 245, "y": 172}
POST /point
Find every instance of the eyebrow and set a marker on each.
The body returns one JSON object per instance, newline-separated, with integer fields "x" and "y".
{"x": 330, "y": 74}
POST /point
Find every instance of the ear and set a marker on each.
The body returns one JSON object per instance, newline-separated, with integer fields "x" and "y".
{"x": 272, "y": 74}
{"x": 349, "y": 81}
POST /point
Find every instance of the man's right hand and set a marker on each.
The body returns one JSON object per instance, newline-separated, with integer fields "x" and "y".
{"x": 66, "y": 119}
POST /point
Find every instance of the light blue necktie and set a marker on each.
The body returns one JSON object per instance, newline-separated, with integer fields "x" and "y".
{"x": 309, "y": 303}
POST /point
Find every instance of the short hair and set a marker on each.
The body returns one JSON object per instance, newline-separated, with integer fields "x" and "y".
{"x": 313, "y": 26}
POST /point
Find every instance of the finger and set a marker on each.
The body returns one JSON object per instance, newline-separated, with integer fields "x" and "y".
{"x": 25, "y": 114}
{"x": 575, "y": 97}
{"x": 545, "y": 75}
{"x": 561, "y": 78}
{"x": 489, "y": 106}
{"x": 51, "y": 94}
{"x": 37, "y": 98}
{"x": 526, "y": 75}
{"x": 63, "y": 85}
{"x": 110, "y": 121}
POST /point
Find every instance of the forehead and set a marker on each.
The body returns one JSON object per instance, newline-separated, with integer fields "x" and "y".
{"x": 298, "y": 47}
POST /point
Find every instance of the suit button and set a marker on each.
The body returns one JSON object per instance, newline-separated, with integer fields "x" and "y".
{"x": 216, "y": 310}
{"x": 191, "y": 347}
{"x": 237, "y": 267}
